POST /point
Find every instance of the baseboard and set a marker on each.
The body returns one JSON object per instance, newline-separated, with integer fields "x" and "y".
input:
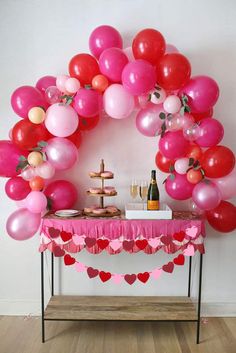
{"x": 32, "y": 308}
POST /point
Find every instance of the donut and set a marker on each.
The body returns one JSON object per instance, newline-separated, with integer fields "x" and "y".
{"x": 109, "y": 190}
{"x": 95, "y": 190}
{"x": 107, "y": 174}
{"x": 94, "y": 174}
{"x": 89, "y": 209}
{"x": 111, "y": 209}
{"x": 99, "y": 211}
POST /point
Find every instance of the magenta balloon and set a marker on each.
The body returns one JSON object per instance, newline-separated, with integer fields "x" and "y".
{"x": 173, "y": 145}
{"x": 112, "y": 62}
{"x": 61, "y": 153}
{"x": 61, "y": 120}
{"x": 138, "y": 77}
{"x": 36, "y": 202}
{"x": 211, "y": 132}
{"x": 26, "y": 97}
{"x": 87, "y": 102}
{"x": 206, "y": 195}
{"x": 44, "y": 82}
{"x": 9, "y": 158}
{"x": 17, "y": 188}
{"x": 203, "y": 93}
{"x": 104, "y": 37}
{"x": 178, "y": 188}
{"x": 62, "y": 194}
{"x": 227, "y": 185}
{"x": 23, "y": 224}
{"x": 148, "y": 121}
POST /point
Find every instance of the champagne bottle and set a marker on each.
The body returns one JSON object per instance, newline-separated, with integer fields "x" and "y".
{"x": 153, "y": 194}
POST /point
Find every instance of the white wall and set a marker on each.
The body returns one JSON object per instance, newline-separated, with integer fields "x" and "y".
{"x": 39, "y": 38}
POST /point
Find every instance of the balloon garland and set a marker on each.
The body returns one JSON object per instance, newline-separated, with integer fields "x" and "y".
{"x": 150, "y": 76}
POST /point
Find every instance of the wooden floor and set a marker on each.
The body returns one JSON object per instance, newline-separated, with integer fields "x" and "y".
{"x": 23, "y": 335}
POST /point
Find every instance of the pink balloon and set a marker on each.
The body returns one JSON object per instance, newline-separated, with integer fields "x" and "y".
{"x": 62, "y": 194}
{"x": 148, "y": 121}
{"x": 172, "y": 104}
{"x": 206, "y": 195}
{"x": 36, "y": 202}
{"x": 171, "y": 49}
{"x": 203, "y": 93}
{"x": 118, "y": 103}
{"x": 138, "y": 77}
{"x": 61, "y": 81}
{"x": 61, "y": 153}
{"x": 178, "y": 122}
{"x": 72, "y": 85}
{"x": 26, "y": 97}
{"x": 87, "y": 102}
{"x": 28, "y": 173}
{"x": 23, "y": 224}
{"x": 182, "y": 165}
{"x": 227, "y": 185}
{"x": 53, "y": 95}
{"x": 178, "y": 187}
{"x": 17, "y": 188}
{"x": 112, "y": 62}
{"x": 104, "y": 37}
{"x": 44, "y": 82}
{"x": 211, "y": 132}
{"x": 61, "y": 120}
{"x": 9, "y": 158}
{"x": 45, "y": 170}
{"x": 173, "y": 145}
{"x": 129, "y": 53}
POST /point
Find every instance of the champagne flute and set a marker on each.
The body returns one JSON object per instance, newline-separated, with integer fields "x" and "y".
{"x": 143, "y": 191}
{"x": 134, "y": 189}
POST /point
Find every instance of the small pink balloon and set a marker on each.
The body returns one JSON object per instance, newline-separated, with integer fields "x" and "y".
{"x": 61, "y": 81}
{"x": 44, "y": 82}
{"x": 36, "y": 202}
{"x": 17, "y": 188}
{"x": 112, "y": 62}
{"x": 45, "y": 170}
{"x": 182, "y": 165}
{"x": 170, "y": 48}
{"x": 61, "y": 153}
{"x": 227, "y": 185}
{"x": 61, "y": 120}
{"x": 9, "y": 158}
{"x": 72, "y": 85}
{"x": 178, "y": 187}
{"x": 211, "y": 132}
{"x": 206, "y": 195}
{"x": 62, "y": 194}
{"x": 172, "y": 104}
{"x": 28, "y": 173}
{"x": 118, "y": 103}
{"x": 173, "y": 145}
{"x": 191, "y": 133}
{"x": 129, "y": 53}
{"x": 87, "y": 102}
{"x": 148, "y": 121}
{"x": 53, "y": 95}
{"x": 23, "y": 224}
{"x": 138, "y": 77}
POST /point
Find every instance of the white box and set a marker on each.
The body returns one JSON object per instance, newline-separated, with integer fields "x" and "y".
{"x": 139, "y": 211}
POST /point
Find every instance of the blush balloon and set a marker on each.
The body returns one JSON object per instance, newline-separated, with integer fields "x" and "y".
{"x": 17, "y": 188}
{"x": 36, "y": 202}
{"x": 206, "y": 195}
{"x": 45, "y": 170}
{"x": 118, "y": 102}
{"x": 173, "y": 145}
{"x": 61, "y": 120}
{"x": 61, "y": 153}
{"x": 148, "y": 121}
{"x": 28, "y": 173}
{"x": 211, "y": 132}
{"x": 178, "y": 187}
{"x": 62, "y": 194}
{"x": 23, "y": 224}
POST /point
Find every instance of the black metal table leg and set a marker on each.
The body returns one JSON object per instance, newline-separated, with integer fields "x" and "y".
{"x": 199, "y": 298}
{"x": 52, "y": 274}
{"x": 189, "y": 276}
{"x": 42, "y": 297}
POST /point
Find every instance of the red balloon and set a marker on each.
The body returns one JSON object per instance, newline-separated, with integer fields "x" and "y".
{"x": 17, "y": 188}
{"x": 223, "y": 217}
{"x": 200, "y": 116}
{"x": 164, "y": 163}
{"x": 149, "y": 44}
{"x": 26, "y": 134}
{"x": 173, "y": 71}
{"x": 76, "y": 138}
{"x": 217, "y": 161}
{"x": 84, "y": 67}
{"x": 62, "y": 194}
{"x": 88, "y": 123}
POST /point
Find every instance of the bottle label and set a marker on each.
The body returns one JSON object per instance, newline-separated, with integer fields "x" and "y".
{"x": 153, "y": 205}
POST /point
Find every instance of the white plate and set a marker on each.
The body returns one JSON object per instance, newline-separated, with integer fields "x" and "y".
{"x": 67, "y": 213}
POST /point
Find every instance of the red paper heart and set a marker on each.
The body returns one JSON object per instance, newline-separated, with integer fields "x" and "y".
{"x": 128, "y": 245}
{"x": 179, "y": 236}
{"x": 92, "y": 272}
{"x": 141, "y": 244}
{"x": 165, "y": 240}
{"x": 53, "y": 232}
{"x": 143, "y": 277}
{"x": 102, "y": 243}
{"x": 58, "y": 252}
{"x": 105, "y": 276}
{"x": 130, "y": 279}
{"x": 168, "y": 267}
{"x": 65, "y": 236}
{"x": 90, "y": 242}
{"x": 68, "y": 260}
{"x": 179, "y": 260}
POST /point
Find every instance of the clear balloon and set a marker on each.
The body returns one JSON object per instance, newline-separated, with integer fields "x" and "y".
{"x": 62, "y": 194}
{"x": 191, "y": 133}
{"x": 61, "y": 81}
{"x": 194, "y": 208}
{"x": 211, "y": 132}
{"x": 23, "y": 224}
{"x": 118, "y": 103}
{"x": 9, "y": 158}
{"x": 61, "y": 153}
{"x": 206, "y": 195}
{"x": 178, "y": 187}
{"x": 87, "y": 102}
{"x": 148, "y": 121}
{"x": 112, "y": 62}
{"x": 17, "y": 188}
{"x": 61, "y": 120}
{"x": 28, "y": 173}
{"x": 182, "y": 165}
{"x": 173, "y": 145}
{"x": 53, "y": 95}
{"x": 44, "y": 82}
{"x": 45, "y": 170}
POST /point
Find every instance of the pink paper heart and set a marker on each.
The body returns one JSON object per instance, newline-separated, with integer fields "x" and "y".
{"x": 80, "y": 267}
{"x": 156, "y": 273}
{"x": 192, "y": 232}
{"x": 154, "y": 242}
{"x": 115, "y": 244}
{"x": 117, "y": 278}
{"x": 78, "y": 240}
{"x": 42, "y": 247}
{"x": 189, "y": 251}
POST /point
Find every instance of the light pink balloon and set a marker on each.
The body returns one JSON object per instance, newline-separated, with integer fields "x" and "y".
{"x": 36, "y": 202}
{"x": 45, "y": 170}
{"x": 112, "y": 62}
{"x": 172, "y": 104}
{"x": 53, "y": 95}
{"x": 148, "y": 121}
{"x": 61, "y": 120}
{"x": 61, "y": 153}
{"x": 23, "y": 224}
{"x": 118, "y": 103}
{"x": 173, "y": 145}
{"x": 206, "y": 195}
{"x": 72, "y": 85}
{"x": 129, "y": 53}
{"x": 211, "y": 132}
{"x": 227, "y": 185}
{"x": 61, "y": 81}
{"x": 28, "y": 173}
{"x": 87, "y": 102}
{"x": 170, "y": 48}
{"x": 182, "y": 165}
{"x": 178, "y": 187}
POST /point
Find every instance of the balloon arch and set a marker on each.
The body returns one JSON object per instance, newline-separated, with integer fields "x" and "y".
{"x": 150, "y": 76}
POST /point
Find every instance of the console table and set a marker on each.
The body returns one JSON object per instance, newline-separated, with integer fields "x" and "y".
{"x": 65, "y": 237}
